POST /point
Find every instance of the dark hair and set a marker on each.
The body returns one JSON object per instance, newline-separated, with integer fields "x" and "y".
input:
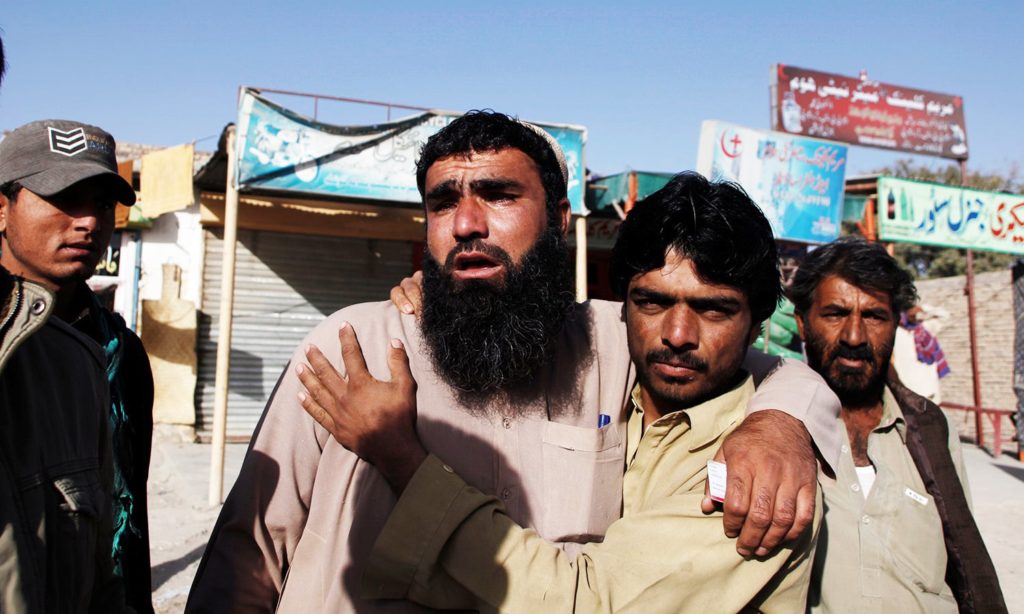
{"x": 714, "y": 224}
{"x": 865, "y": 265}
{"x": 10, "y": 190}
{"x": 479, "y": 131}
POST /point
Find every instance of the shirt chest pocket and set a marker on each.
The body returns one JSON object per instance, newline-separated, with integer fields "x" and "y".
{"x": 917, "y": 545}
{"x": 78, "y": 506}
{"x": 582, "y": 481}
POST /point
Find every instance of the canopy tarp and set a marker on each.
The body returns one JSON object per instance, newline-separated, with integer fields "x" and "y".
{"x": 280, "y": 149}
{"x": 603, "y": 192}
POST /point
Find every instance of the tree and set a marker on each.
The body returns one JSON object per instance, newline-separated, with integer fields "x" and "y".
{"x": 926, "y": 261}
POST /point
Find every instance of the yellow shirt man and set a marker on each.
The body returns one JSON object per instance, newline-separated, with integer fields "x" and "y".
{"x": 663, "y": 555}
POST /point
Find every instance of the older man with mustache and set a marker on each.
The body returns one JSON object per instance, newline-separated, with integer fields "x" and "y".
{"x": 898, "y": 533}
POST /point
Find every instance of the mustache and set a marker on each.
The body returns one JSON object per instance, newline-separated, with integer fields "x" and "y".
{"x": 477, "y": 245}
{"x": 861, "y": 352}
{"x": 685, "y": 359}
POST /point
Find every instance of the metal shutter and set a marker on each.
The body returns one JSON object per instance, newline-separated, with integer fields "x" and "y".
{"x": 285, "y": 284}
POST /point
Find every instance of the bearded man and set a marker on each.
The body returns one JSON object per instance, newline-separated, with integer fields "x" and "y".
{"x": 898, "y": 533}
{"x": 514, "y": 380}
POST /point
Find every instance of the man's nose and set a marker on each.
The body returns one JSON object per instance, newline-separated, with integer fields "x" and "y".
{"x": 87, "y": 216}
{"x": 853, "y": 333}
{"x": 680, "y": 330}
{"x": 470, "y": 220}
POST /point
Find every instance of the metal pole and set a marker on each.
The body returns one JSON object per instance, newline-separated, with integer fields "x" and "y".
{"x": 581, "y": 258}
{"x": 975, "y": 373}
{"x": 871, "y": 216}
{"x": 976, "y": 376}
{"x": 969, "y": 291}
{"x": 136, "y": 277}
{"x": 1018, "y": 351}
{"x": 227, "y": 303}
{"x": 337, "y": 98}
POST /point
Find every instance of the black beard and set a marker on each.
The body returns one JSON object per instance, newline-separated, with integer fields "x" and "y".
{"x": 854, "y": 388}
{"x": 485, "y": 337}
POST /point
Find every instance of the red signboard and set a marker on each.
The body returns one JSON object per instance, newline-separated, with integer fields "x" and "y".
{"x": 855, "y": 110}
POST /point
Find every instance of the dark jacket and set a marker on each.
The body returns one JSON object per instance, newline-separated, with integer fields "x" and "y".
{"x": 131, "y": 413}
{"x": 55, "y": 462}
{"x": 969, "y": 570}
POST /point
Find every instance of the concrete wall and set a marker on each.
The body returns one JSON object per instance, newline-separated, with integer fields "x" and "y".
{"x": 993, "y": 299}
{"x": 175, "y": 238}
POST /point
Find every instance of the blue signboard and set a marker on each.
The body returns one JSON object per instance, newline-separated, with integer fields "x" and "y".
{"x": 280, "y": 149}
{"x": 797, "y": 181}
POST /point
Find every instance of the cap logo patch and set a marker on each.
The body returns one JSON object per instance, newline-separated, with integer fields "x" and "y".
{"x": 67, "y": 143}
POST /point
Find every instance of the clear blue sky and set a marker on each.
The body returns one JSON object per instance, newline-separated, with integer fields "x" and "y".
{"x": 640, "y": 78}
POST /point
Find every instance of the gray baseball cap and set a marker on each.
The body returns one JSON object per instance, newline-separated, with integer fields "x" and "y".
{"x": 51, "y": 155}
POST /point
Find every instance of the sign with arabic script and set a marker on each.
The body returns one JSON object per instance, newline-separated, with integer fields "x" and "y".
{"x": 856, "y": 110}
{"x": 110, "y": 264}
{"x": 280, "y": 149}
{"x": 936, "y": 214}
{"x": 797, "y": 182}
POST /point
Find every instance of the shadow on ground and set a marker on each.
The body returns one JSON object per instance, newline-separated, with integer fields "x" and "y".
{"x": 1017, "y": 472}
{"x": 168, "y": 569}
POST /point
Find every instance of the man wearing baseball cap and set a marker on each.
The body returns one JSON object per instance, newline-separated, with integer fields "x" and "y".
{"x": 78, "y": 380}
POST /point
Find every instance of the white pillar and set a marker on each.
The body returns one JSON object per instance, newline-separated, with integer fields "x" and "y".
{"x": 224, "y": 323}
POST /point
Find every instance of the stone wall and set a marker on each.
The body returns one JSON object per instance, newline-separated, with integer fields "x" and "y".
{"x": 993, "y": 300}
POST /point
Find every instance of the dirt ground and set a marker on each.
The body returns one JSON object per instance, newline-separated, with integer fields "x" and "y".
{"x": 180, "y": 518}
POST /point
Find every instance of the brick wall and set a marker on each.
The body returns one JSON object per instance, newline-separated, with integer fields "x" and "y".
{"x": 993, "y": 300}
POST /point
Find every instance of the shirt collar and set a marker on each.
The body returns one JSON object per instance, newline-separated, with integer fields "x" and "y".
{"x": 708, "y": 420}
{"x": 892, "y": 415}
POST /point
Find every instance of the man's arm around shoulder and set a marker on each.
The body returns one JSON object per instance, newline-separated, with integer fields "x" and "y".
{"x": 793, "y": 388}
{"x": 772, "y": 465}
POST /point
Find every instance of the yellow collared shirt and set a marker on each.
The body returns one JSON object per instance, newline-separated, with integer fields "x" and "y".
{"x": 663, "y": 555}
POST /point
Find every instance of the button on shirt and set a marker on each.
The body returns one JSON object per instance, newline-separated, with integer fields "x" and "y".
{"x": 884, "y": 551}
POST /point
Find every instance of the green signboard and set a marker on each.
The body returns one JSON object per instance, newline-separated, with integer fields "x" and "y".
{"x": 936, "y": 214}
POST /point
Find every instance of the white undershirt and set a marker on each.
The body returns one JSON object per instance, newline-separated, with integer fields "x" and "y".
{"x": 866, "y": 477}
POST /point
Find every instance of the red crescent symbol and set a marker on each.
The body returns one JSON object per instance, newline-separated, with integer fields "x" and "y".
{"x": 735, "y": 141}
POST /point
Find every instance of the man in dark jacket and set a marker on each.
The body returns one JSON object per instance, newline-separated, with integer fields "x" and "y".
{"x": 58, "y": 189}
{"x": 898, "y": 534}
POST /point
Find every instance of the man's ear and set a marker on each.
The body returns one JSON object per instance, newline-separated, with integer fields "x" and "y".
{"x": 755, "y": 330}
{"x": 565, "y": 215}
{"x": 800, "y": 324}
